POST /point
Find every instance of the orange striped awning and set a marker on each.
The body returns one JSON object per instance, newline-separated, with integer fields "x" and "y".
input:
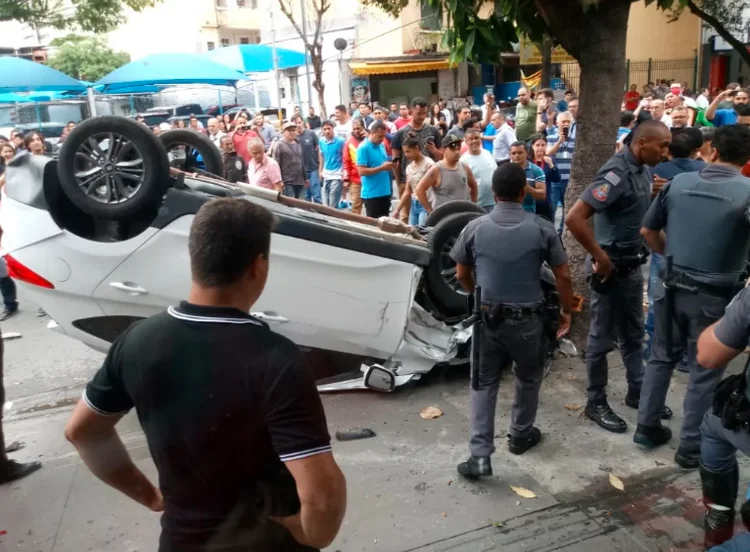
{"x": 363, "y": 68}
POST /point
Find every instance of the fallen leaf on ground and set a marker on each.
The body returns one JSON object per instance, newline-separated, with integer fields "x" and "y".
{"x": 573, "y": 407}
{"x": 495, "y": 524}
{"x": 430, "y": 413}
{"x": 616, "y": 482}
{"x": 523, "y": 492}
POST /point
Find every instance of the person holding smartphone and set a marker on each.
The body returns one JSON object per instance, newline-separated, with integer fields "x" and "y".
{"x": 722, "y": 117}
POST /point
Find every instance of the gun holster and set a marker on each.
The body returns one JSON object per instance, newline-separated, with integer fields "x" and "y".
{"x": 601, "y": 287}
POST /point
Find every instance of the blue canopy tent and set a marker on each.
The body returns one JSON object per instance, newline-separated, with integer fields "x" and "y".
{"x": 255, "y": 58}
{"x": 169, "y": 69}
{"x": 20, "y": 75}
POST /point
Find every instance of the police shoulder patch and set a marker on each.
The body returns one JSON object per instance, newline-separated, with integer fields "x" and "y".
{"x": 612, "y": 178}
{"x": 601, "y": 192}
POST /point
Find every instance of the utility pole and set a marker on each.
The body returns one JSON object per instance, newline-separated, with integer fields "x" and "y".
{"x": 307, "y": 64}
{"x": 275, "y": 61}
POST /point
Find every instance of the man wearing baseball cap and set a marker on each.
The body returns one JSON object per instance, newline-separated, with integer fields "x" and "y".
{"x": 288, "y": 154}
{"x": 448, "y": 179}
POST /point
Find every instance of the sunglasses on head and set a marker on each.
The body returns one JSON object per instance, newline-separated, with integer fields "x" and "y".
{"x": 454, "y": 146}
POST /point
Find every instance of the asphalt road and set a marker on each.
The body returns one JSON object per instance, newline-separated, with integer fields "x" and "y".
{"x": 42, "y": 362}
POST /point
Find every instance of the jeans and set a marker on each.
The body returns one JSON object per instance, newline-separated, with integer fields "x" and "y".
{"x": 312, "y": 193}
{"x": 332, "y": 192}
{"x": 8, "y": 290}
{"x": 294, "y": 190}
{"x": 417, "y": 215}
{"x": 557, "y": 197}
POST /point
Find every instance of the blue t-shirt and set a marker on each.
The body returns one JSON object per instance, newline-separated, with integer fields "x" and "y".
{"x": 725, "y": 117}
{"x": 534, "y": 175}
{"x": 333, "y": 157}
{"x": 488, "y": 144}
{"x": 371, "y": 156}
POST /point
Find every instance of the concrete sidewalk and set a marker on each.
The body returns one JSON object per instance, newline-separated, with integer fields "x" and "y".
{"x": 404, "y": 493}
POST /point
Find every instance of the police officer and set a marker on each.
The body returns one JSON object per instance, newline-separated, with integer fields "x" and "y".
{"x": 705, "y": 216}
{"x": 511, "y": 311}
{"x": 617, "y": 199}
{"x": 717, "y": 345}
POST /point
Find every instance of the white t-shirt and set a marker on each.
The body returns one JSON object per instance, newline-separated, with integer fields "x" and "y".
{"x": 482, "y": 167}
{"x": 343, "y": 130}
{"x": 415, "y": 172}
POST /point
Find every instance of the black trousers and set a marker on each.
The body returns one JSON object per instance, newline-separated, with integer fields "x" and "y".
{"x": 377, "y": 207}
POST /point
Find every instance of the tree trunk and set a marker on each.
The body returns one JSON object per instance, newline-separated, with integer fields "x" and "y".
{"x": 316, "y": 59}
{"x": 546, "y": 62}
{"x": 596, "y": 38}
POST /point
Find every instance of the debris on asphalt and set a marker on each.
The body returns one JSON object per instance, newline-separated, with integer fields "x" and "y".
{"x": 523, "y": 492}
{"x": 355, "y": 434}
{"x": 443, "y": 514}
{"x": 14, "y": 447}
{"x": 616, "y": 482}
{"x": 496, "y": 524}
{"x": 8, "y": 405}
{"x": 573, "y": 407}
{"x": 10, "y": 335}
{"x": 450, "y": 482}
{"x": 430, "y": 413}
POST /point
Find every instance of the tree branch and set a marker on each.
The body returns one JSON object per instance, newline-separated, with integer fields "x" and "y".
{"x": 290, "y": 16}
{"x": 738, "y": 46}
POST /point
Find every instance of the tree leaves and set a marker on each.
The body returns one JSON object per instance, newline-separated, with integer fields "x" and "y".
{"x": 85, "y": 57}
{"x": 98, "y": 16}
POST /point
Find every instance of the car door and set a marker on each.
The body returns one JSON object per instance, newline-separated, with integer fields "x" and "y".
{"x": 317, "y": 295}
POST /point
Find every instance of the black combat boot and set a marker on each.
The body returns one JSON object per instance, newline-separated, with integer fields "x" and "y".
{"x": 475, "y": 467}
{"x": 601, "y": 414}
{"x": 519, "y": 445}
{"x": 652, "y": 436}
{"x": 686, "y": 459}
{"x": 633, "y": 400}
{"x": 719, "y": 497}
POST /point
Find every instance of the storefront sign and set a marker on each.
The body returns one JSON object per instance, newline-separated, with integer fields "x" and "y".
{"x": 531, "y": 55}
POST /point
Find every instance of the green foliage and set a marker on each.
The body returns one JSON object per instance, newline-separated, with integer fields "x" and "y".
{"x": 85, "y": 58}
{"x": 96, "y": 16}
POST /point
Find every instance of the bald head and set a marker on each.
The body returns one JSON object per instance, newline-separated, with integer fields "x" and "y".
{"x": 523, "y": 95}
{"x": 650, "y": 142}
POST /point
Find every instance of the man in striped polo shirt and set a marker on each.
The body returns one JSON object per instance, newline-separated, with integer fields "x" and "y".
{"x": 560, "y": 146}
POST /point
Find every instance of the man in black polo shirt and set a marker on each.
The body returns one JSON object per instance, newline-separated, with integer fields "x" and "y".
{"x": 229, "y": 408}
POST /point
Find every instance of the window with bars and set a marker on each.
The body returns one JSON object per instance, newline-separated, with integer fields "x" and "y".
{"x": 211, "y": 45}
{"x": 240, "y": 3}
{"x": 244, "y": 40}
{"x": 430, "y": 17}
{"x": 225, "y": 42}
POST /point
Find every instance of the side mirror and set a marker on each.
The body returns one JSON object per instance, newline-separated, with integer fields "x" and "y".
{"x": 379, "y": 378}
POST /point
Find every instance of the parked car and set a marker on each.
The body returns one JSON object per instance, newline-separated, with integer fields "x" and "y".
{"x": 98, "y": 239}
{"x": 186, "y": 118}
{"x": 176, "y": 110}
{"x": 216, "y": 110}
{"x": 153, "y": 118}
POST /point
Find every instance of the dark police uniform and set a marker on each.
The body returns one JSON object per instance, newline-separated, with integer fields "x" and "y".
{"x": 620, "y": 196}
{"x": 224, "y": 402}
{"x": 506, "y": 249}
{"x": 719, "y": 470}
{"x": 706, "y": 220}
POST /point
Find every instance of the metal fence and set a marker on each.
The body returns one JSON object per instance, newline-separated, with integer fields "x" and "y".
{"x": 639, "y": 72}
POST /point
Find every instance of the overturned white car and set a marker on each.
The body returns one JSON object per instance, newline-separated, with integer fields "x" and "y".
{"x": 98, "y": 238}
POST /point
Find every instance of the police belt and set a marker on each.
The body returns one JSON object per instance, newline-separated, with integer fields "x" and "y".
{"x": 626, "y": 259}
{"x": 496, "y": 312}
{"x": 730, "y": 402}
{"x": 686, "y": 283}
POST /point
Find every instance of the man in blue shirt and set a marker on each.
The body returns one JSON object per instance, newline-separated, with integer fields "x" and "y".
{"x": 331, "y": 165}
{"x": 560, "y": 146}
{"x": 721, "y": 117}
{"x": 376, "y": 171}
{"x": 536, "y": 185}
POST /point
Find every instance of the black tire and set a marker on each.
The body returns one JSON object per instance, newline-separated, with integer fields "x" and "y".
{"x": 441, "y": 284}
{"x": 212, "y": 160}
{"x": 451, "y": 208}
{"x": 134, "y": 176}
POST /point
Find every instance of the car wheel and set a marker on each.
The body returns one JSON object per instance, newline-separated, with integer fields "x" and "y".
{"x": 451, "y": 208}
{"x": 190, "y": 150}
{"x": 440, "y": 276}
{"x": 113, "y": 168}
